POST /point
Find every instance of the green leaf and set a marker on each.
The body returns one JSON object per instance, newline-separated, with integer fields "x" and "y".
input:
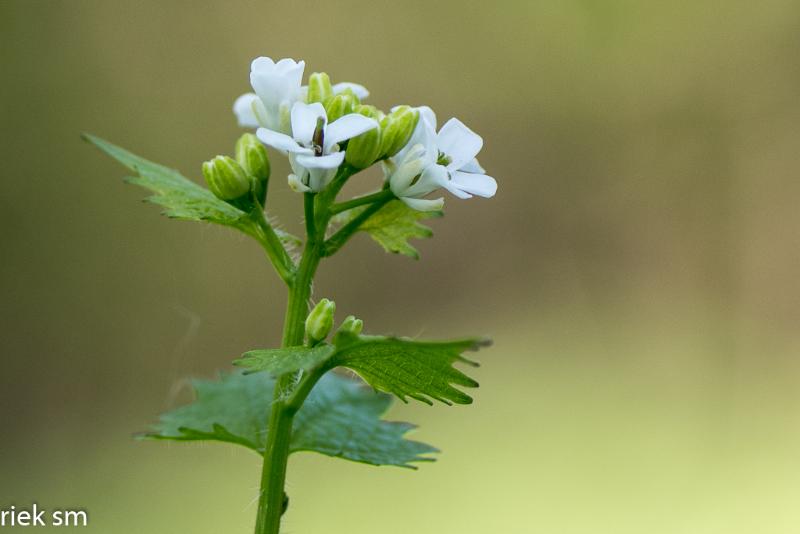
{"x": 422, "y": 370}
{"x": 180, "y": 197}
{"x": 287, "y": 360}
{"x": 394, "y": 224}
{"x": 340, "y": 418}
{"x": 233, "y": 409}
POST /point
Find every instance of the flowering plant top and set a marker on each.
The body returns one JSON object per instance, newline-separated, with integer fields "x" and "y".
{"x": 328, "y": 135}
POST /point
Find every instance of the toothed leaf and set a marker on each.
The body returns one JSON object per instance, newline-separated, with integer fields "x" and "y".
{"x": 340, "y": 418}
{"x": 180, "y": 197}
{"x": 277, "y": 362}
{"x": 422, "y": 370}
{"x": 394, "y": 224}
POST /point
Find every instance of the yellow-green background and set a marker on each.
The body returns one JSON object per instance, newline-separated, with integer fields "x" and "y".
{"x": 638, "y": 268}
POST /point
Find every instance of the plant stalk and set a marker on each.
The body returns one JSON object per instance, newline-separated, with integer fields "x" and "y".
{"x": 289, "y": 395}
{"x": 276, "y": 452}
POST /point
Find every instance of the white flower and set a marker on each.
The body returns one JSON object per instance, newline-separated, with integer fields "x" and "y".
{"x": 430, "y": 161}
{"x": 413, "y": 177}
{"x": 277, "y": 88}
{"x": 313, "y": 147}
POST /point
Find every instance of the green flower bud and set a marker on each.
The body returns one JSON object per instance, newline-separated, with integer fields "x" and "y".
{"x": 370, "y": 111}
{"x": 351, "y": 325}
{"x": 252, "y": 156}
{"x": 320, "y": 321}
{"x": 349, "y": 91}
{"x": 342, "y": 104}
{"x": 363, "y": 150}
{"x": 226, "y": 178}
{"x": 319, "y": 87}
{"x": 396, "y": 129}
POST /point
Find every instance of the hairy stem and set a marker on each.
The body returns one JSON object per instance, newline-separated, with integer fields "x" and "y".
{"x": 276, "y": 452}
{"x": 275, "y": 250}
{"x": 289, "y": 394}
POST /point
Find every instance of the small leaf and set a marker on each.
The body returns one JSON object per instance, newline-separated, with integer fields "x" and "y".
{"x": 340, "y": 418}
{"x": 407, "y": 368}
{"x": 180, "y": 197}
{"x": 394, "y": 224}
{"x": 287, "y": 360}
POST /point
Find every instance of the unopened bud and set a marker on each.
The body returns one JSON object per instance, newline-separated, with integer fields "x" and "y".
{"x": 363, "y": 150}
{"x": 396, "y": 129}
{"x": 319, "y": 87}
{"x": 320, "y": 321}
{"x": 252, "y": 156}
{"x": 340, "y": 105}
{"x": 351, "y": 325}
{"x": 226, "y": 178}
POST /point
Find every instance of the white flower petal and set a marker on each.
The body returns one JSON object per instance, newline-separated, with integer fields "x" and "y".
{"x": 347, "y": 127}
{"x": 276, "y": 85}
{"x": 423, "y": 204}
{"x": 304, "y": 120}
{"x": 424, "y": 134}
{"x": 262, "y": 63}
{"x": 260, "y": 112}
{"x": 279, "y": 141}
{"x": 359, "y": 90}
{"x": 428, "y": 115}
{"x": 243, "y": 108}
{"x": 432, "y": 178}
{"x": 292, "y": 69}
{"x": 477, "y": 184}
{"x": 459, "y": 143}
{"x": 331, "y": 161}
{"x": 319, "y": 178}
{"x": 403, "y": 175}
{"x": 302, "y": 96}
{"x": 473, "y": 167}
{"x": 297, "y": 185}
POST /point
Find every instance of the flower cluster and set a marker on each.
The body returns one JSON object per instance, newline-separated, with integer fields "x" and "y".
{"x": 322, "y": 126}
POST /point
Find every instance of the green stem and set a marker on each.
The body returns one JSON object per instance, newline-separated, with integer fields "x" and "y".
{"x": 344, "y": 233}
{"x": 288, "y": 396}
{"x": 275, "y": 250}
{"x": 276, "y": 452}
{"x": 360, "y": 201}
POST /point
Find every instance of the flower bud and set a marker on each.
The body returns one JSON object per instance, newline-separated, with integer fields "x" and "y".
{"x": 226, "y": 178}
{"x": 319, "y": 87}
{"x": 320, "y": 321}
{"x": 340, "y": 105}
{"x": 363, "y": 150}
{"x": 396, "y": 129}
{"x": 252, "y": 156}
{"x": 351, "y": 326}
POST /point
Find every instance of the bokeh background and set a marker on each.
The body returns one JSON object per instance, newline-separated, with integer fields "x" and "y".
{"x": 638, "y": 268}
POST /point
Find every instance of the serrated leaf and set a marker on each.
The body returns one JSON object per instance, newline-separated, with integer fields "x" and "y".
{"x": 340, "y": 418}
{"x": 180, "y": 197}
{"x": 277, "y": 362}
{"x": 422, "y": 370}
{"x": 394, "y": 224}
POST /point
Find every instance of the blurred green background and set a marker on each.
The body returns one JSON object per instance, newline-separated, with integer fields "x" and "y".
{"x": 637, "y": 269}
